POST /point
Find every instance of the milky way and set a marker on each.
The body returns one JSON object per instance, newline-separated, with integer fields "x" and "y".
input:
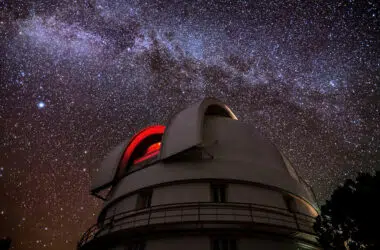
{"x": 79, "y": 77}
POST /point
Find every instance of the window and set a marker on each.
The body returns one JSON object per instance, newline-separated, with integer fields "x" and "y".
{"x": 218, "y": 192}
{"x": 144, "y": 199}
{"x": 223, "y": 244}
{"x": 136, "y": 246}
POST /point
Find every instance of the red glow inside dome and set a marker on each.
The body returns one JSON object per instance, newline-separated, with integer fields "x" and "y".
{"x": 153, "y": 150}
{"x": 154, "y": 147}
{"x": 143, "y": 145}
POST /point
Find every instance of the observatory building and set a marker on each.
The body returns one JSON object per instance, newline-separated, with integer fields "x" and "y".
{"x": 203, "y": 181}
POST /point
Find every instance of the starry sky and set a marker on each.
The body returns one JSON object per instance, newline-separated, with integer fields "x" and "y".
{"x": 79, "y": 77}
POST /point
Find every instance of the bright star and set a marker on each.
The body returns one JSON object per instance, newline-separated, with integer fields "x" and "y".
{"x": 41, "y": 105}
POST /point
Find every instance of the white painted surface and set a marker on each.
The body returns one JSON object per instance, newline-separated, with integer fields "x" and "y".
{"x": 191, "y": 192}
{"x": 255, "y": 195}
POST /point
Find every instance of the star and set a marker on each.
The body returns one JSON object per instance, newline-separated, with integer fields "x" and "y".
{"x": 41, "y": 105}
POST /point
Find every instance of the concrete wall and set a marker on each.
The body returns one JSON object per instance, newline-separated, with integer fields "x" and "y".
{"x": 216, "y": 169}
{"x": 183, "y": 243}
{"x": 200, "y": 192}
{"x": 125, "y": 204}
{"x": 256, "y": 195}
{"x": 191, "y": 192}
{"x": 204, "y": 243}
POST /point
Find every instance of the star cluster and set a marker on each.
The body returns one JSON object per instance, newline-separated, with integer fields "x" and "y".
{"x": 78, "y": 77}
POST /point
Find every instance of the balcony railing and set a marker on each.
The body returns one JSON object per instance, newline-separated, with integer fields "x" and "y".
{"x": 201, "y": 212}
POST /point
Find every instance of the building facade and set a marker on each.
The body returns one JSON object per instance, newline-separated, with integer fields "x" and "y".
{"x": 203, "y": 181}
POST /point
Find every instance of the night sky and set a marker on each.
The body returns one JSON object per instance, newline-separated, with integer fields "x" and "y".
{"x": 79, "y": 77}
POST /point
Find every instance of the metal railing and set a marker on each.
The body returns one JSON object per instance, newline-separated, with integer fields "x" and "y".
{"x": 201, "y": 212}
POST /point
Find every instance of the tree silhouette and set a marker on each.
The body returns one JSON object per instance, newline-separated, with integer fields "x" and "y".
{"x": 5, "y": 243}
{"x": 351, "y": 218}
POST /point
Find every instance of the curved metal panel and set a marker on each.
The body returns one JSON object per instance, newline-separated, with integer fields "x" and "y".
{"x": 108, "y": 168}
{"x": 161, "y": 173}
{"x": 185, "y": 129}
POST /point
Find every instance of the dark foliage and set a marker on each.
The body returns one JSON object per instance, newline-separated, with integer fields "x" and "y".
{"x": 351, "y": 218}
{"x": 5, "y": 243}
